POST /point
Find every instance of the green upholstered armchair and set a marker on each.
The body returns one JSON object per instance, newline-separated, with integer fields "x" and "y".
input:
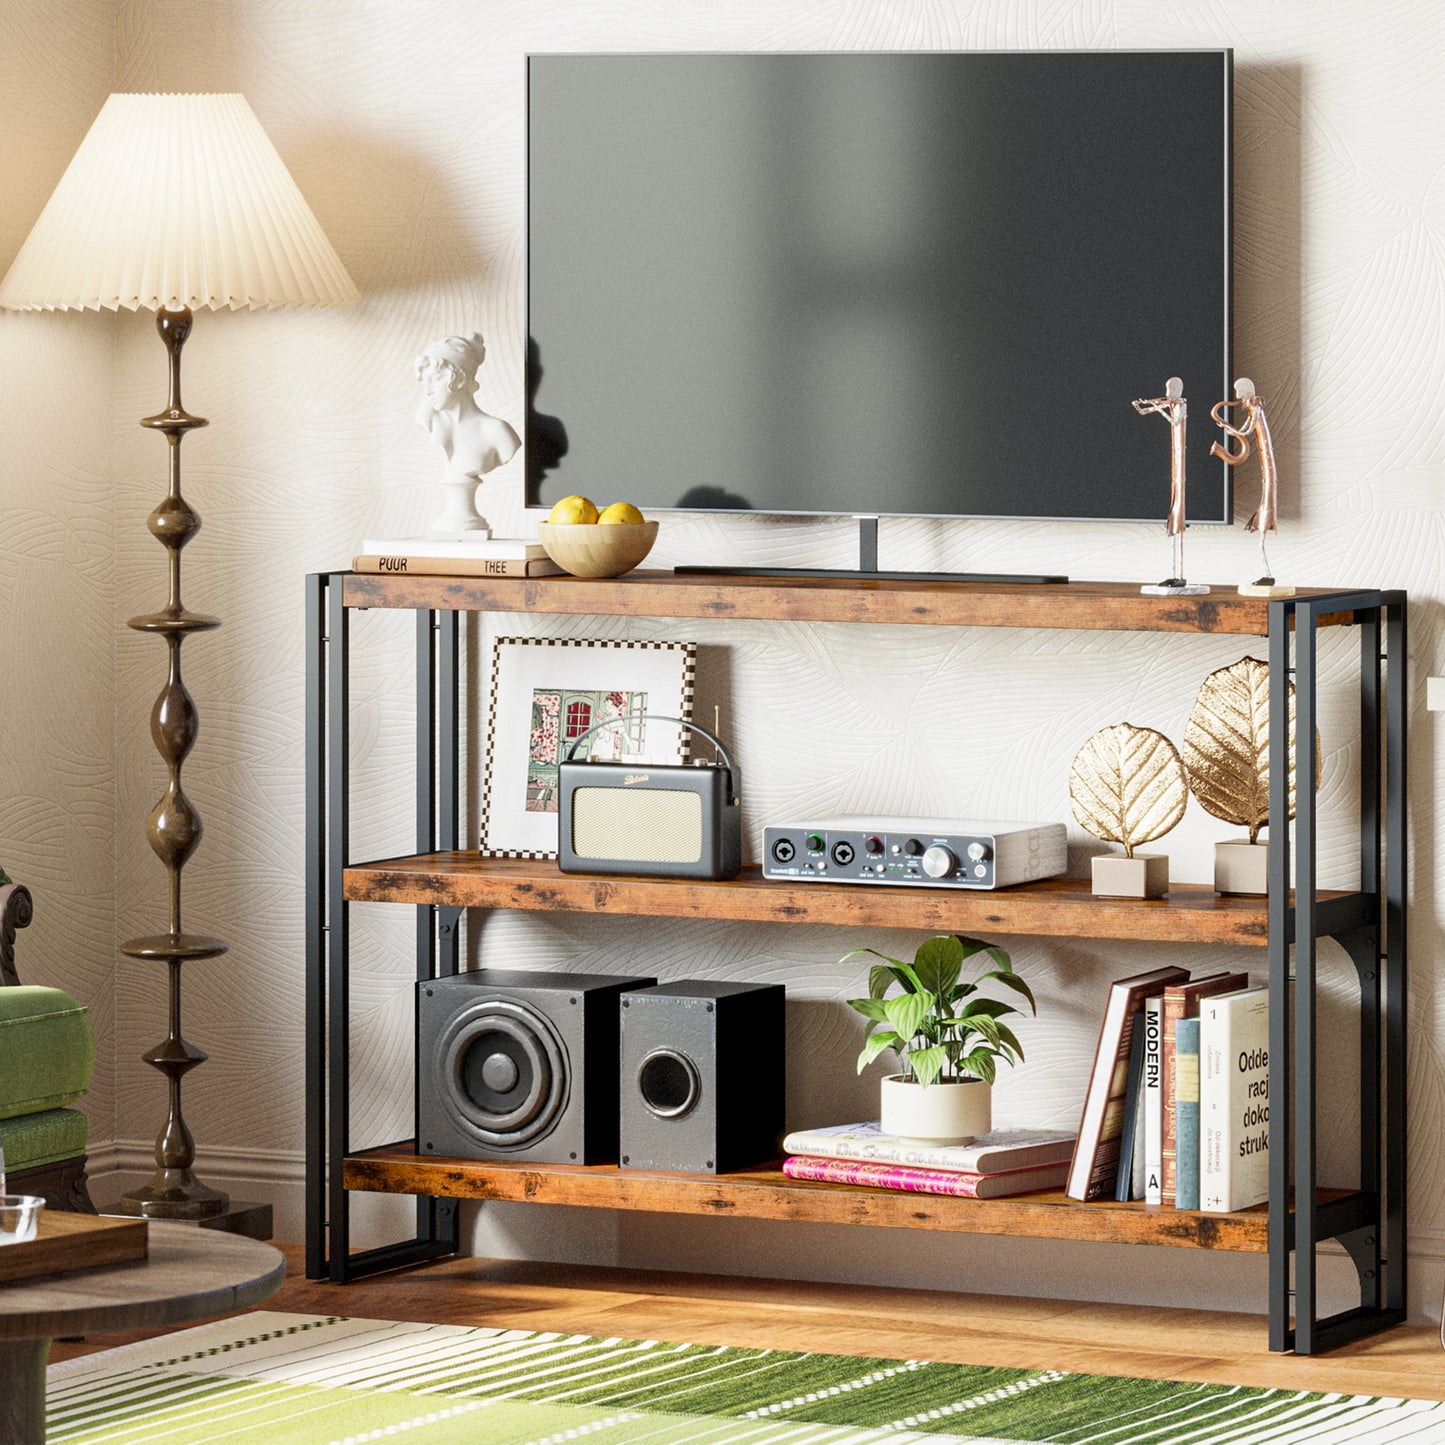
{"x": 47, "y": 1052}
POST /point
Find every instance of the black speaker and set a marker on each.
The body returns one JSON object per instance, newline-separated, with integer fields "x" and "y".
{"x": 518, "y": 1065}
{"x": 703, "y": 1076}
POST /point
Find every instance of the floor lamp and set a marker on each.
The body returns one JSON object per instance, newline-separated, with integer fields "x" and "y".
{"x": 173, "y": 203}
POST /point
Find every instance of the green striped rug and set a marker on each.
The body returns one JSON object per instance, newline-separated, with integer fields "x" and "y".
{"x": 282, "y": 1378}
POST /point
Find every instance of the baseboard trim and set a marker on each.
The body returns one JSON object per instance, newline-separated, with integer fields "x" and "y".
{"x": 268, "y": 1176}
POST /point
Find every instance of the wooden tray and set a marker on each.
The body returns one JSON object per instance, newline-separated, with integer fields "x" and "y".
{"x": 68, "y": 1242}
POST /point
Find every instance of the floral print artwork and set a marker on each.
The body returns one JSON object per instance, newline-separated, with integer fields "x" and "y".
{"x": 560, "y": 716}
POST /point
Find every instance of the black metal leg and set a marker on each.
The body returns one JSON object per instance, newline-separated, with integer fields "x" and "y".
{"x": 1370, "y": 1225}
{"x": 1363, "y": 946}
{"x": 328, "y": 1049}
{"x": 338, "y": 994}
{"x": 1306, "y": 934}
{"x": 315, "y": 1084}
{"x": 438, "y": 712}
{"x": 1281, "y": 1222}
{"x": 1396, "y": 979}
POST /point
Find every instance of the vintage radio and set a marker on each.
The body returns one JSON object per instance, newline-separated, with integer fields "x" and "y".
{"x": 671, "y": 821}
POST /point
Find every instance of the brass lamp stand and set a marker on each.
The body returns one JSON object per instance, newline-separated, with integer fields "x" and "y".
{"x": 174, "y": 826}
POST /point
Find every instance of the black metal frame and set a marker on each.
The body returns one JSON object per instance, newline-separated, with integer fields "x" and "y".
{"x": 1369, "y": 1225}
{"x": 1370, "y": 926}
{"x": 438, "y": 812}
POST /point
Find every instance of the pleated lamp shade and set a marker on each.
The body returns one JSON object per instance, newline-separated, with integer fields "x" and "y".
{"x": 176, "y": 200}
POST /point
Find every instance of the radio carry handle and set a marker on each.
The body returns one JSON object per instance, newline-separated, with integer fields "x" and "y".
{"x": 658, "y": 717}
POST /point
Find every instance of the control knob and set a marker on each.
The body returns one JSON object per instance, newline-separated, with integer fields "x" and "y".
{"x": 939, "y": 862}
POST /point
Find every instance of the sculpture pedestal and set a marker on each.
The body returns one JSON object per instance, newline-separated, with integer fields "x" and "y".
{"x": 1241, "y": 867}
{"x": 458, "y": 520}
{"x": 1145, "y": 875}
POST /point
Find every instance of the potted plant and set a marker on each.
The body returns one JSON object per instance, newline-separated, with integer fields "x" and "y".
{"x": 947, "y": 1036}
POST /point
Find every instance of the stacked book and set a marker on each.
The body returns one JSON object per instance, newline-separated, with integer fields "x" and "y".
{"x": 1177, "y": 1108}
{"x": 993, "y": 1166}
{"x": 425, "y": 557}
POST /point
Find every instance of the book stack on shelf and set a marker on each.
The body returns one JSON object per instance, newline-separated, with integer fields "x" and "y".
{"x": 424, "y": 557}
{"x": 994, "y": 1166}
{"x": 1177, "y": 1108}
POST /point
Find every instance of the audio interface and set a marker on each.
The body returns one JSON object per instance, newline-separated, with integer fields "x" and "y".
{"x": 915, "y": 852}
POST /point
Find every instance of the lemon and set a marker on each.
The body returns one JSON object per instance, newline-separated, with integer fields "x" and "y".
{"x": 573, "y": 509}
{"x": 621, "y": 512}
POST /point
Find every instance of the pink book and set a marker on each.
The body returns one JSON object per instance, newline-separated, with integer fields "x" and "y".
{"x": 925, "y": 1181}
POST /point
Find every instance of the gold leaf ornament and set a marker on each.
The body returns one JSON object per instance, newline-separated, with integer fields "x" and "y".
{"x": 1226, "y": 745}
{"x": 1127, "y": 785}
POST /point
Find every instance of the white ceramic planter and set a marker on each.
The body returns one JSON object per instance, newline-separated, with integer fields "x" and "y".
{"x": 947, "y": 1111}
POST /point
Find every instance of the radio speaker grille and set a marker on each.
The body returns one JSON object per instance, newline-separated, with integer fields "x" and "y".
{"x": 652, "y": 825}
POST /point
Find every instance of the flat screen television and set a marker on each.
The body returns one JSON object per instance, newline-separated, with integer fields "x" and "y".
{"x": 923, "y": 284}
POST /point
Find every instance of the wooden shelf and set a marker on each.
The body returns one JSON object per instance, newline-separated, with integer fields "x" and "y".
{"x": 1085, "y": 606}
{"x": 767, "y": 1193}
{"x": 1056, "y": 908}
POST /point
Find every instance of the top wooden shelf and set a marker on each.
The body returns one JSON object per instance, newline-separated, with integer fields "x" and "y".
{"x": 1082, "y": 606}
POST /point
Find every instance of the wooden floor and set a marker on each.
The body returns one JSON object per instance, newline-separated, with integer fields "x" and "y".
{"x": 856, "y": 1320}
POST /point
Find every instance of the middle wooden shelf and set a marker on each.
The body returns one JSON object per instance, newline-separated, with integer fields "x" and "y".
{"x": 1055, "y": 908}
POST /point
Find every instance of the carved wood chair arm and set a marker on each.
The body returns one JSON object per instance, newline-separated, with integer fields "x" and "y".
{"x": 16, "y": 911}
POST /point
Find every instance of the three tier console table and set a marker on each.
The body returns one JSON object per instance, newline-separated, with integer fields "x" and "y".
{"x": 441, "y": 879}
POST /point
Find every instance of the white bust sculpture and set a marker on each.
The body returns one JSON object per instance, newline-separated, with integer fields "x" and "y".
{"x": 474, "y": 442}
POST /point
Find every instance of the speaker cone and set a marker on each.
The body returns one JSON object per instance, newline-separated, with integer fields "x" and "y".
{"x": 505, "y": 1071}
{"x": 669, "y": 1083}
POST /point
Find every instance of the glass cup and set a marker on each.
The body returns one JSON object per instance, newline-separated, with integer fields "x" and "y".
{"x": 19, "y": 1217}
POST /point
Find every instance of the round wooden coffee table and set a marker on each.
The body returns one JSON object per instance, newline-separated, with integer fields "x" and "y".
{"x": 189, "y": 1274}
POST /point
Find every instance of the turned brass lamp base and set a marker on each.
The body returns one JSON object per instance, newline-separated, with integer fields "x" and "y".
{"x": 174, "y": 826}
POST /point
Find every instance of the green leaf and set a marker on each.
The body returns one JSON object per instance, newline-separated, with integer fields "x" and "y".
{"x": 1008, "y": 1041}
{"x": 882, "y": 976}
{"x": 871, "y": 952}
{"x": 980, "y": 1063}
{"x": 938, "y": 962}
{"x": 906, "y": 1012}
{"x": 1013, "y": 981}
{"x": 876, "y": 1045}
{"x": 993, "y": 1007}
{"x": 972, "y": 946}
{"x": 1002, "y": 961}
{"x": 870, "y": 1008}
{"x": 986, "y": 1028}
{"x": 926, "y": 1064}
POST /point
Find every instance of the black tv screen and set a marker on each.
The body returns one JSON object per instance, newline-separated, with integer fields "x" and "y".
{"x": 924, "y": 284}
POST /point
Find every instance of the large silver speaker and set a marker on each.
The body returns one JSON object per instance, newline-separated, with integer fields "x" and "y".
{"x": 703, "y": 1077}
{"x": 519, "y": 1065}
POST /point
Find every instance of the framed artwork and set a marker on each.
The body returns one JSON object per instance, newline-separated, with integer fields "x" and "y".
{"x": 546, "y": 692}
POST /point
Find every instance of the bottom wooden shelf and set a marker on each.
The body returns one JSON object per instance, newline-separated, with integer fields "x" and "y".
{"x": 767, "y": 1193}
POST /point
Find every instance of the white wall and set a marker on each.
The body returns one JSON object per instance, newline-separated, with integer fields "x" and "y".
{"x": 57, "y": 548}
{"x": 404, "y": 127}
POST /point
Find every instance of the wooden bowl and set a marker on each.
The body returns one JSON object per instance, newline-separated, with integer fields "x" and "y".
{"x": 599, "y": 549}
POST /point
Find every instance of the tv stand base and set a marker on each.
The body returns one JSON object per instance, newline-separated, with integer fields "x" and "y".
{"x": 867, "y": 568}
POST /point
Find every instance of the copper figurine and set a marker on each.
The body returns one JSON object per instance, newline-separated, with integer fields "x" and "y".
{"x": 1253, "y": 427}
{"x": 1173, "y": 407}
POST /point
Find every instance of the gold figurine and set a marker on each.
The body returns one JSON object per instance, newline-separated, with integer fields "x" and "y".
{"x": 1254, "y": 424}
{"x": 1175, "y": 410}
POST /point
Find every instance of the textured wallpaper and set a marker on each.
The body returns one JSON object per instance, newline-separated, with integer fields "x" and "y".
{"x": 403, "y": 126}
